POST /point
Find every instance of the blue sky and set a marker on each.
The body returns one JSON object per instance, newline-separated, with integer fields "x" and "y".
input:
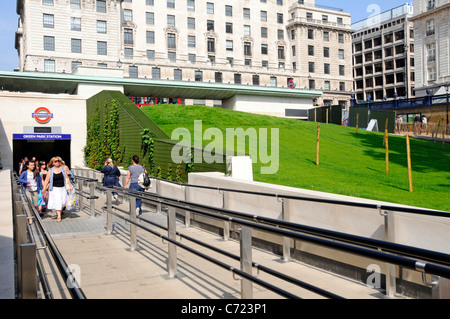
{"x": 8, "y": 22}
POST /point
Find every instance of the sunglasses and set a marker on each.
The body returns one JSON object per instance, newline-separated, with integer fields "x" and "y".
{"x": 57, "y": 161}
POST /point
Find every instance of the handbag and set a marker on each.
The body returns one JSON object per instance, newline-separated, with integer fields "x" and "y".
{"x": 144, "y": 180}
{"x": 72, "y": 203}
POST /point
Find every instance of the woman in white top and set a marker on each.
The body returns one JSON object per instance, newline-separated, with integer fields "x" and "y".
{"x": 56, "y": 182}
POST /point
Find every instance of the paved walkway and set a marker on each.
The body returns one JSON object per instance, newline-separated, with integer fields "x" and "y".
{"x": 6, "y": 238}
{"x": 110, "y": 270}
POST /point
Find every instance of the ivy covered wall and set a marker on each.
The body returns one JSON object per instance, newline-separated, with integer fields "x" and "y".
{"x": 118, "y": 129}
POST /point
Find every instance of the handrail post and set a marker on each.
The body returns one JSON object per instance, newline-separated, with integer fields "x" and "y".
{"x": 80, "y": 193}
{"x": 246, "y": 261}
{"x": 286, "y": 240}
{"x": 172, "y": 249}
{"x": 187, "y": 213}
{"x": 28, "y": 271}
{"x": 133, "y": 227}
{"x": 92, "y": 200}
{"x": 389, "y": 236}
{"x": 442, "y": 288}
{"x": 226, "y": 223}
{"x": 108, "y": 213}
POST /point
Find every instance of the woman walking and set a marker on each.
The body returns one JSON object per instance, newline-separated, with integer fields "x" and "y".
{"x": 43, "y": 173}
{"x": 56, "y": 183}
{"x": 134, "y": 171}
{"x": 32, "y": 183}
{"x": 111, "y": 176}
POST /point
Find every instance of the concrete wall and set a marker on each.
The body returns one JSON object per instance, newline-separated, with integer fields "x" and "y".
{"x": 69, "y": 113}
{"x": 266, "y": 105}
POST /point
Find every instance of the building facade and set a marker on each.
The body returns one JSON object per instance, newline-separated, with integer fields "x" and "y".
{"x": 260, "y": 43}
{"x": 383, "y": 55}
{"x": 432, "y": 40}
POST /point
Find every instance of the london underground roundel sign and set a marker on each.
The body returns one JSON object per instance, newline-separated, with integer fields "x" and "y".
{"x": 42, "y": 115}
{"x": 291, "y": 84}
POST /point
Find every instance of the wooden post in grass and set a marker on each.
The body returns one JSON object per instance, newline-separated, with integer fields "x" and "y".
{"x": 318, "y": 144}
{"x": 357, "y": 123}
{"x": 315, "y": 114}
{"x": 408, "y": 150}
{"x": 327, "y": 116}
{"x": 387, "y": 150}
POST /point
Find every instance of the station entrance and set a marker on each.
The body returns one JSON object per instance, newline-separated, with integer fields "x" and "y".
{"x": 42, "y": 147}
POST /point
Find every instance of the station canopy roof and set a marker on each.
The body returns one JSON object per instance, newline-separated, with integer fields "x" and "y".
{"x": 57, "y": 83}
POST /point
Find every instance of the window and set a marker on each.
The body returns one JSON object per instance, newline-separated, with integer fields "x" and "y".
{"x": 101, "y": 26}
{"x": 150, "y": 17}
{"x": 150, "y": 36}
{"x": 294, "y": 52}
{"x": 264, "y": 32}
{"x": 342, "y": 86}
{"x": 326, "y": 68}
{"x": 128, "y": 36}
{"x": 255, "y": 79}
{"x": 273, "y": 81}
{"x": 311, "y": 50}
{"x": 341, "y": 54}
{"x": 311, "y": 67}
{"x": 326, "y": 52}
{"x": 102, "y": 48}
{"x": 229, "y": 27}
{"x": 75, "y": 4}
{"x": 210, "y": 7}
{"x": 49, "y": 43}
{"x": 191, "y": 41}
{"x": 246, "y": 13}
{"x": 171, "y": 4}
{"x": 218, "y": 77}
{"x": 229, "y": 45}
{"x": 229, "y": 11}
{"x": 133, "y": 71}
{"x": 178, "y": 75}
{"x": 280, "y": 18}
{"x": 198, "y": 76}
{"x": 192, "y": 57}
{"x": 237, "y": 78}
{"x": 172, "y": 56}
{"x": 171, "y": 41}
{"x": 49, "y": 20}
{"x": 326, "y": 36}
{"x": 430, "y": 27}
{"x": 49, "y": 65}
{"x": 327, "y": 86}
{"x": 191, "y": 23}
{"x": 264, "y": 49}
{"x": 76, "y": 45}
{"x": 127, "y": 15}
{"x": 128, "y": 52}
{"x": 340, "y": 38}
{"x": 247, "y": 30}
{"x": 75, "y": 64}
{"x": 170, "y": 20}
{"x": 310, "y": 34}
{"x": 247, "y": 49}
{"x": 281, "y": 53}
{"x": 191, "y": 5}
{"x": 211, "y": 45}
{"x": 210, "y": 25}
{"x": 156, "y": 73}
{"x": 101, "y": 6}
{"x": 75, "y": 24}
{"x": 47, "y": 2}
{"x": 342, "y": 70}
{"x": 340, "y": 21}
{"x": 151, "y": 54}
{"x": 263, "y": 16}
{"x": 312, "y": 84}
{"x": 431, "y": 50}
{"x": 280, "y": 34}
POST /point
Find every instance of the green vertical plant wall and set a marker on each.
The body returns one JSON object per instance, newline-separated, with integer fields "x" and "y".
{"x": 117, "y": 128}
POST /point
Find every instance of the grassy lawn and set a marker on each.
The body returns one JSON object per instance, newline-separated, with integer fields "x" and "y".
{"x": 349, "y": 164}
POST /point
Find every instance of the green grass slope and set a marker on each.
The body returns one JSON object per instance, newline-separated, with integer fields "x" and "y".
{"x": 349, "y": 164}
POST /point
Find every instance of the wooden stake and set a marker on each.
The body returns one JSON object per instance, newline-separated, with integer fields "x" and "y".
{"x": 357, "y": 123}
{"x": 315, "y": 114}
{"x": 327, "y": 116}
{"x": 387, "y": 151}
{"x": 408, "y": 149}
{"x": 318, "y": 144}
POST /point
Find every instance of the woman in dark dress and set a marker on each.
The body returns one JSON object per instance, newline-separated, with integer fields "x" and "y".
{"x": 111, "y": 176}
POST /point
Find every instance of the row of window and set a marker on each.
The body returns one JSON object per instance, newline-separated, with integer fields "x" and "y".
{"x": 76, "y": 5}
{"x": 75, "y": 23}
{"x": 76, "y": 47}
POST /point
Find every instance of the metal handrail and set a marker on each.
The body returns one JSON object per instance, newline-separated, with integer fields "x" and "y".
{"x": 254, "y": 279}
{"x": 378, "y": 255}
{"x": 75, "y": 291}
{"x": 428, "y": 255}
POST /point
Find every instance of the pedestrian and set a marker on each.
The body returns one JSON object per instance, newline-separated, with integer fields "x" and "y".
{"x": 424, "y": 124}
{"x": 57, "y": 185}
{"x": 134, "y": 171}
{"x": 43, "y": 171}
{"x": 32, "y": 184}
{"x": 22, "y": 165}
{"x": 398, "y": 123}
{"x": 111, "y": 177}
